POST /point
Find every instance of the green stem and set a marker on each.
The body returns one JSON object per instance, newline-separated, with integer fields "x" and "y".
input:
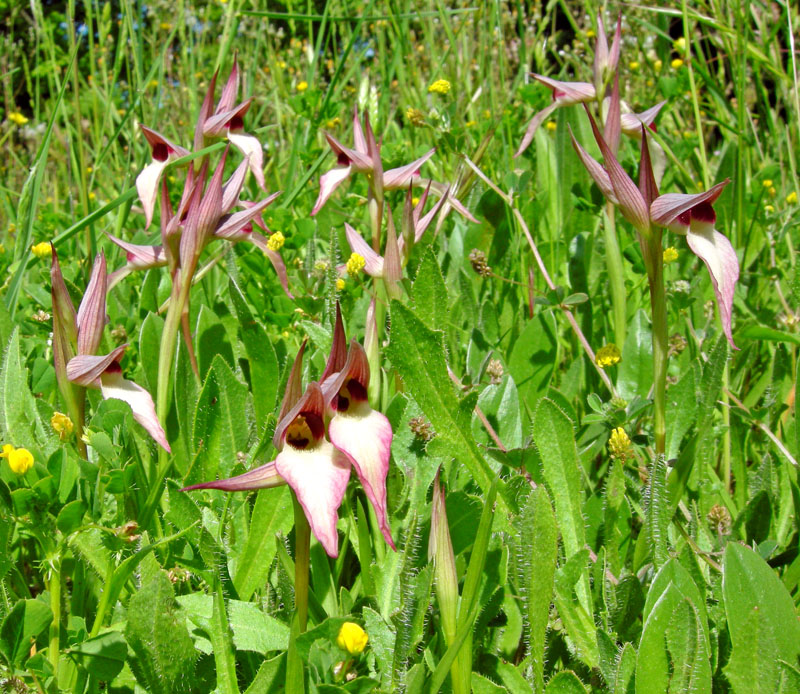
{"x": 654, "y": 261}
{"x": 295, "y": 683}
{"x": 54, "y": 649}
{"x": 616, "y": 276}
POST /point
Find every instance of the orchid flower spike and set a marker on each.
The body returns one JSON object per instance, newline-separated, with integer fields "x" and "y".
{"x": 76, "y": 338}
{"x": 693, "y": 216}
{"x": 363, "y": 157}
{"x": 163, "y": 152}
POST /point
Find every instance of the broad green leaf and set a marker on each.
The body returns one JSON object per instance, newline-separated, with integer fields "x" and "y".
{"x": 571, "y": 579}
{"x": 626, "y": 669}
{"x": 149, "y": 349}
{"x": 418, "y": 354}
{"x": 381, "y": 641}
{"x": 681, "y": 412}
{"x": 753, "y": 668}
{"x": 26, "y": 620}
{"x": 430, "y": 293}
{"x": 70, "y": 516}
{"x": 212, "y": 341}
{"x": 483, "y": 685}
{"x": 103, "y": 656}
{"x": 270, "y": 678}
{"x": 157, "y": 634}
{"x": 749, "y": 584}
{"x": 272, "y": 514}
{"x": 500, "y": 405}
{"x": 533, "y": 358}
{"x": 565, "y": 682}
{"x": 636, "y": 368}
{"x": 536, "y": 555}
{"x": 657, "y": 511}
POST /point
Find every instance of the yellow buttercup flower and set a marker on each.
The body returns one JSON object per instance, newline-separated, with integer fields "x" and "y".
{"x": 767, "y": 183}
{"x": 670, "y": 255}
{"x": 352, "y": 638}
{"x": 791, "y": 198}
{"x": 619, "y": 445}
{"x": 439, "y": 87}
{"x": 355, "y": 264}
{"x": 339, "y": 284}
{"x": 17, "y": 118}
{"x": 42, "y": 250}
{"x": 676, "y": 63}
{"x": 62, "y": 425}
{"x": 607, "y": 355}
{"x": 633, "y": 65}
{"x": 551, "y": 125}
{"x": 275, "y": 241}
{"x": 302, "y": 86}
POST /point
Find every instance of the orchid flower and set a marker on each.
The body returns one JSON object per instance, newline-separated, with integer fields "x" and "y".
{"x": 316, "y": 467}
{"x": 76, "y": 338}
{"x": 163, "y": 152}
{"x": 693, "y": 216}
{"x": 364, "y": 157}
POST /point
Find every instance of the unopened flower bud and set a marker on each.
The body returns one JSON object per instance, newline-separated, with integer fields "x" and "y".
{"x": 719, "y": 518}
{"x": 421, "y": 428}
{"x": 494, "y": 370}
{"x": 352, "y": 638}
{"x": 478, "y": 261}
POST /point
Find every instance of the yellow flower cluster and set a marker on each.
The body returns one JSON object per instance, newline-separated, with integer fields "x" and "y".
{"x": 791, "y": 198}
{"x": 302, "y": 86}
{"x": 339, "y": 284}
{"x": 415, "y": 117}
{"x": 439, "y": 87}
{"x": 20, "y": 460}
{"x": 275, "y": 241}
{"x": 619, "y": 445}
{"x": 42, "y": 250}
{"x": 17, "y": 118}
{"x": 670, "y": 255}
{"x": 355, "y": 264}
{"x": 62, "y": 425}
{"x": 607, "y": 355}
{"x": 352, "y": 638}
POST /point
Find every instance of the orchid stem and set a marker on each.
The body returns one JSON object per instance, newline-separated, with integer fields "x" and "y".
{"x": 654, "y": 260}
{"x": 54, "y": 648}
{"x": 295, "y": 683}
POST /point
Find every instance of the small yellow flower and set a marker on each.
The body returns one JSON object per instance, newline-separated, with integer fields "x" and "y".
{"x": 62, "y": 425}
{"x": 17, "y": 118}
{"x": 92, "y": 195}
{"x": 276, "y": 241}
{"x": 607, "y": 355}
{"x": 650, "y": 83}
{"x": 767, "y": 183}
{"x": 414, "y": 201}
{"x": 679, "y": 44}
{"x": 772, "y": 192}
{"x": 415, "y": 117}
{"x": 439, "y": 87}
{"x": 42, "y": 250}
{"x": 355, "y": 264}
{"x": 20, "y": 460}
{"x": 670, "y": 255}
{"x": 633, "y": 65}
{"x": 352, "y": 638}
{"x": 590, "y": 33}
{"x": 470, "y": 124}
{"x": 791, "y": 198}
{"x": 551, "y": 125}
{"x": 677, "y": 63}
{"x": 769, "y": 209}
{"x": 658, "y": 65}
{"x": 302, "y": 86}
{"x": 333, "y": 122}
{"x": 282, "y": 64}
{"x": 7, "y": 448}
{"x": 339, "y": 284}
{"x": 153, "y": 84}
{"x": 619, "y": 445}
{"x": 165, "y": 26}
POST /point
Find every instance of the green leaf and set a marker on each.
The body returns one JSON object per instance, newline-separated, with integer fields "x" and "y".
{"x": 565, "y": 682}
{"x": 70, "y": 516}
{"x": 157, "y": 634}
{"x": 636, "y": 368}
{"x": 681, "y": 412}
{"x": 418, "y": 355}
{"x": 429, "y": 293}
{"x": 533, "y": 357}
{"x": 749, "y": 584}
{"x": 103, "y": 656}
{"x": 500, "y": 405}
{"x": 27, "y": 619}
{"x": 760, "y": 332}
{"x": 626, "y": 669}
{"x": 657, "y": 512}
{"x": 272, "y": 514}
{"x": 753, "y": 668}
{"x": 536, "y": 556}
{"x": 149, "y": 349}
{"x": 270, "y": 678}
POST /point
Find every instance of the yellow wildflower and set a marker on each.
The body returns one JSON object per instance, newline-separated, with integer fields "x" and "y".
{"x": 551, "y": 125}
{"x": 7, "y": 448}
{"x": 92, "y": 195}
{"x": 590, "y": 33}
{"x": 414, "y": 201}
{"x": 276, "y": 241}
{"x": 282, "y": 64}
{"x": 670, "y": 255}
{"x": 658, "y": 65}
{"x": 153, "y": 83}
{"x": 302, "y": 86}
{"x": 352, "y": 638}
{"x": 17, "y": 118}
{"x": 679, "y": 44}
{"x": 339, "y": 284}
{"x": 415, "y": 117}
{"x": 439, "y": 87}
{"x": 42, "y": 250}
{"x": 20, "y": 460}
{"x": 62, "y": 425}
{"x": 165, "y": 26}
{"x": 791, "y": 198}
{"x": 470, "y": 124}
{"x": 607, "y": 355}
{"x": 633, "y": 65}
{"x": 355, "y": 264}
{"x": 772, "y": 192}
{"x": 767, "y": 183}
{"x": 619, "y": 445}
{"x": 769, "y": 209}
{"x": 676, "y": 63}
{"x": 333, "y": 122}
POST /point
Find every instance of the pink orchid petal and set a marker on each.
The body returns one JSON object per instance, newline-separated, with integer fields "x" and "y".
{"x": 567, "y": 93}
{"x": 229, "y": 91}
{"x": 596, "y": 171}
{"x": 221, "y": 121}
{"x": 456, "y": 204}
{"x": 373, "y": 263}
{"x": 251, "y": 148}
{"x": 359, "y": 140}
{"x": 312, "y": 402}
{"x": 263, "y": 477}
{"x": 666, "y": 208}
{"x": 318, "y": 475}
{"x": 205, "y": 111}
{"x": 230, "y": 226}
{"x": 600, "y": 52}
{"x": 360, "y": 161}
{"x": 85, "y": 369}
{"x": 631, "y": 123}
{"x": 92, "y": 316}
{"x": 113, "y": 385}
{"x": 613, "y": 54}
{"x": 533, "y": 126}
{"x": 365, "y": 437}
{"x": 141, "y": 257}
{"x": 717, "y": 252}
{"x": 337, "y": 357}
{"x": 147, "y": 188}
{"x": 329, "y": 182}
{"x": 233, "y": 186}
{"x": 161, "y": 147}
{"x": 400, "y": 176}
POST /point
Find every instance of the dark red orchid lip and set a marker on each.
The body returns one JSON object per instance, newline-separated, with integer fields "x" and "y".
{"x": 704, "y": 212}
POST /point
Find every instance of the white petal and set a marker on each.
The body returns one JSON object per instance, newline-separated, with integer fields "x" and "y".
{"x": 147, "y": 187}
{"x": 329, "y": 182}
{"x": 113, "y": 385}
{"x": 251, "y": 148}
